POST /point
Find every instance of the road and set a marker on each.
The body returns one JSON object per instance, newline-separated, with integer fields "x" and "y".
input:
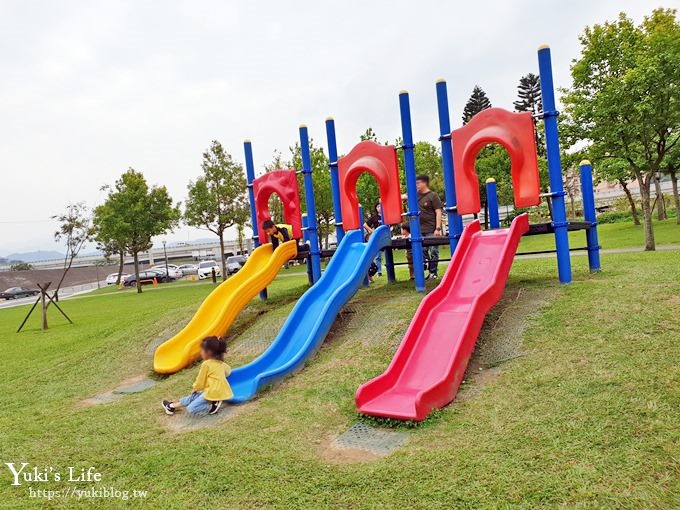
{"x": 79, "y": 290}
{"x": 64, "y": 293}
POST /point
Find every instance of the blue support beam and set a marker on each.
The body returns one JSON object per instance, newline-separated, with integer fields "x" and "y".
{"x": 250, "y": 177}
{"x": 552, "y": 144}
{"x": 588, "y": 195}
{"x": 312, "y": 230}
{"x": 335, "y": 181}
{"x": 413, "y": 209}
{"x": 455, "y": 221}
{"x": 492, "y": 203}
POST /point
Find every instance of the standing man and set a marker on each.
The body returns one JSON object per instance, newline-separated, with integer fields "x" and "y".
{"x": 430, "y": 206}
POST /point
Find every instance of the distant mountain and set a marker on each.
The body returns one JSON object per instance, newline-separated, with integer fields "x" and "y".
{"x": 35, "y": 256}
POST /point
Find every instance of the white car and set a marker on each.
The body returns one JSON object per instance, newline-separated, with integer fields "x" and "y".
{"x": 206, "y": 267}
{"x": 174, "y": 270}
{"x": 188, "y": 269}
{"x": 234, "y": 263}
{"x": 113, "y": 278}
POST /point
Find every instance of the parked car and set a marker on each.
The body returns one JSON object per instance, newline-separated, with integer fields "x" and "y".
{"x": 188, "y": 269}
{"x": 113, "y": 278}
{"x": 146, "y": 277}
{"x": 234, "y": 263}
{"x": 206, "y": 267}
{"x": 174, "y": 270}
{"x": 18, "y": 292}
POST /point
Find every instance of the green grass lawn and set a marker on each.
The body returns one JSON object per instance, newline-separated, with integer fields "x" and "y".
{"x": 586, "y": 418}
{"x": 611, "y": 235}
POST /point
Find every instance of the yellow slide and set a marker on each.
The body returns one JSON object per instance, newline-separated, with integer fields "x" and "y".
{"x": 219, "y": 310}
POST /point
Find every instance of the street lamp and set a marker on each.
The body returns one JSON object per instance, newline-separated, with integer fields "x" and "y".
{"x": 165, "y": 254}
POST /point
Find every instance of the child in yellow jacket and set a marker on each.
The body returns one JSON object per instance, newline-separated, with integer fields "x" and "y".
{"x": 211, "y": 387}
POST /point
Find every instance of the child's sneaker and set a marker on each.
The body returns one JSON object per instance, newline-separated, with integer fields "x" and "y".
{"x": 215, "y": 406}
{"x": 167, "y": 406}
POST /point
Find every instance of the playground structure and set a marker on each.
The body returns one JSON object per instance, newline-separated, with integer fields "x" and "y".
{"x": 431, "y": 360}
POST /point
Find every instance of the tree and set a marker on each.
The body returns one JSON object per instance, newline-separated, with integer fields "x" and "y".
{"x": 110, "y": 248}
{"x": 323, "y": 196}
{"x": 242, "y": 219}
{"x": 133, "y": 213}
{"x": 529, "y": 94}
{"x": 75, "y": 229}
{"x": 619, "y": 171}
{"x": 478, "y": 101}
{"x": 625, "y": 98}
{"x": 529, "y": 100}
{"x": 493, "y": 161}
{"x": 217, "y": 199}
{"x": 672, "y": 166}
{"x": 367, "y": 187}
{"x": 21, "y": 266}
{"x": 108, "y": 238}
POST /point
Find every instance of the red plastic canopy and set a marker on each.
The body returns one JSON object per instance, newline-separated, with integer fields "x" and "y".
{"x": 381, "y": 162}
{"x": 284, "y": 184}
{"x": 515, "y": 132}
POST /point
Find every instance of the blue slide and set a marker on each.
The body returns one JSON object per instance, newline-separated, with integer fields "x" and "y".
{"x": 313, "y": 315}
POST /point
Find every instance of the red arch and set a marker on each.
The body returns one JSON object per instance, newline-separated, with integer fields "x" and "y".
{"x": 515, "y": 132}
{"x": 284, "y": 184}
{"x": 381, "y": 162}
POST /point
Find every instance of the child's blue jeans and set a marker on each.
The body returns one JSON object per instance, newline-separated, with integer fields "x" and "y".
{"x": 195, "y": 403}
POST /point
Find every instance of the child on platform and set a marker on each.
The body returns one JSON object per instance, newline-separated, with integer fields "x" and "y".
{"x": 406, "y": 234}
{"x": 276, "y": 234}
{"x": 211, "y": 387}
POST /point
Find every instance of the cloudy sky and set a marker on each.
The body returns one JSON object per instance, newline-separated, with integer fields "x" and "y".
{"x": 90, "y": 88}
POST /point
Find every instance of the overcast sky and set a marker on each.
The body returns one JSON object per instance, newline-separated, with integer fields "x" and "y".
{"x": 90, "y": 88}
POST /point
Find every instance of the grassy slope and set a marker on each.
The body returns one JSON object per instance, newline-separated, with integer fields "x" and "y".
{"x": 587, "y": 418}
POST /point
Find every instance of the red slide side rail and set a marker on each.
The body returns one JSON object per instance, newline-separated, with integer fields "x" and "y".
{"x": 381, "y": 162}
{"x": 284, "y": 184}
{"x": 515, "y": 132}
{"x": 430, "y": 363}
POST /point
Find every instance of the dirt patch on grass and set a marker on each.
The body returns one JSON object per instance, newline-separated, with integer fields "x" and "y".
{"x": 126, "y": 386}
{"x": 330, "y": 453}
{"x": 182, "y": 422}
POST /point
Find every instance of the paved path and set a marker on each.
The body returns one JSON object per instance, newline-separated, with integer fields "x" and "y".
{"x": 64, "y": 293}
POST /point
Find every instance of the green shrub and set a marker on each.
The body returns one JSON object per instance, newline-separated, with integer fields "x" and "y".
{"x": 614, "y": 217}
{"x": 21, "y": 266}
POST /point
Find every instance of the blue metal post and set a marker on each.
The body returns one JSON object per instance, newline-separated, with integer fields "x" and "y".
{"x": 413, "y": 209}
{"x": 308, "y": 260}
{"x": 311, "y": 207}
{"x": 335, "y": 180}
{"x": 455, "y": 221}
{"x": 250, "y": 177}
{"x": 588, "y": 196}
{"x": 492, "y": 203}
{"x": 552, "y": 145}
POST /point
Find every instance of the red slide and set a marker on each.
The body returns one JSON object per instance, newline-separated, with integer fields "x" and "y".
{"x": 430, "y": 363}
